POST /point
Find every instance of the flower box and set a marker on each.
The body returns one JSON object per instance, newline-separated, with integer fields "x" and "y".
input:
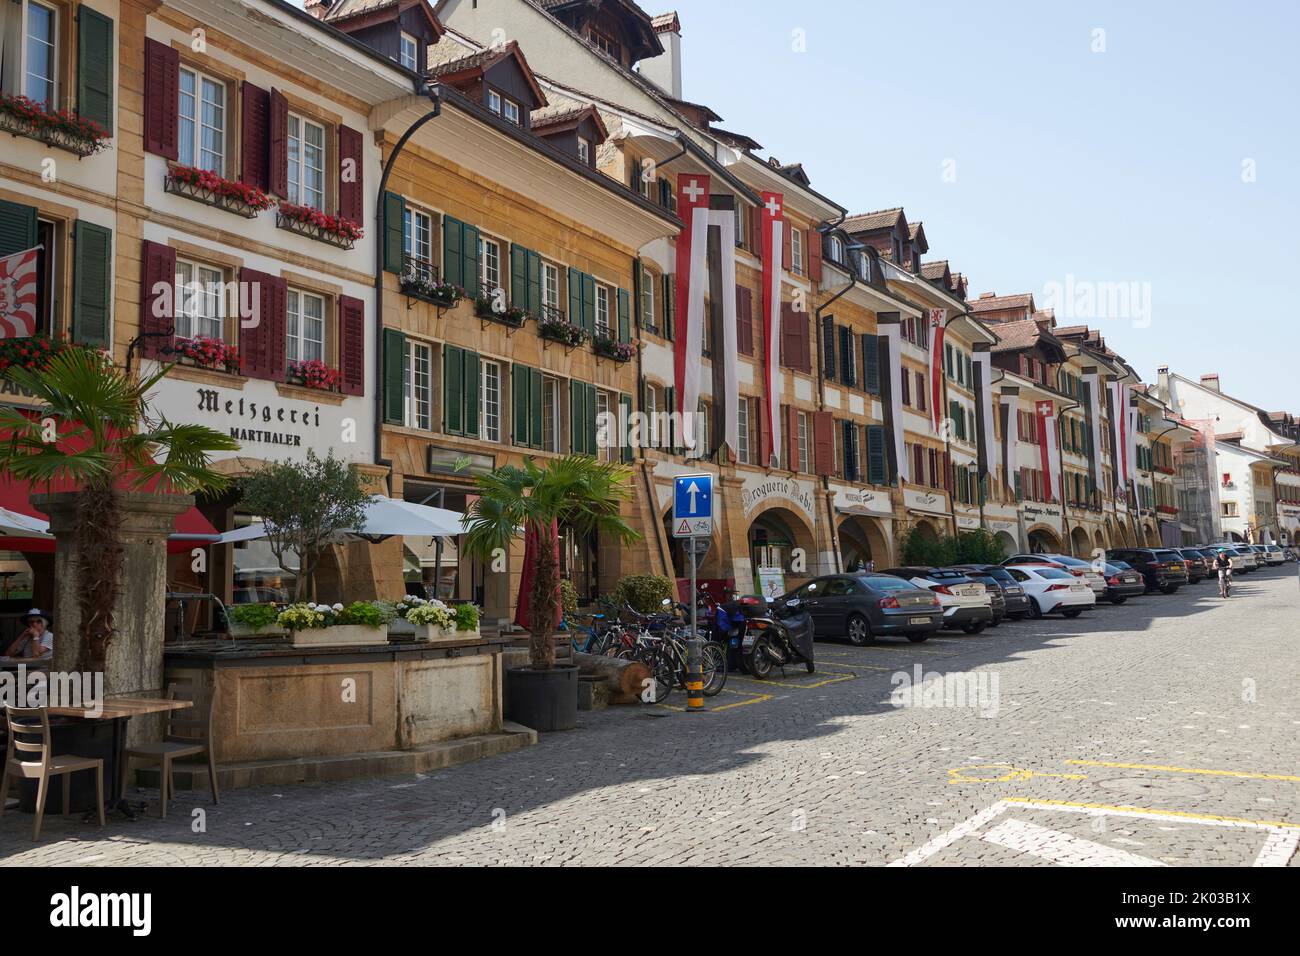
{"x": 513, "y": 316}
{"x": 562, "y": 331}
{"x": 58, "y": 128}
{"x": 340, "y": 635}
{"x": 609, "y": 348}
{"x": 204, "y": 352}
{"x": 314, "y": 374}
{"x": 212, "y": 190}
{"x": 431, "y": 634}
{"x": 424, "y": 284}
{"x": 266, "y": 630}
{"x": 314, "y": 224}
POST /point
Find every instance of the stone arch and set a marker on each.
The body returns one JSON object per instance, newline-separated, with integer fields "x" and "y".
{"x": 774, "y": 534}
{"x": 1099, "y": 541}
{"x": 1150, "y": 536}
{"x": 1006, "y": 542}
{"x": 1080, "y": 542}
{"x": 863, "y": 542}
{"x": 1043, "y": 538}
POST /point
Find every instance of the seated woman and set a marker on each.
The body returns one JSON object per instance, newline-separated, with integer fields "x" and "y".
{"x": 37, "y": 640}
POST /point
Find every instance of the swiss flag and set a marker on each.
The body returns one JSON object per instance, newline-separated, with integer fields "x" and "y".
{"x": 18, "y": 294}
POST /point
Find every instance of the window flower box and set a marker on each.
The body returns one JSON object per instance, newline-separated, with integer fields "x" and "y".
{"x": 513, "y": 316}
{"x": 555, "y": 327}
{"x": 314, "y": 224}
{"x": 314, "y": 374}
{"x": 61, "y": 129}
{"x": 610, "y": 348}
{"x": 207, "y": 187}
{"x": 32, "y": 353}
{"x": 204, "y": 352}
{"x": 1166, "y": 509}
{"x": 420, "y": 280}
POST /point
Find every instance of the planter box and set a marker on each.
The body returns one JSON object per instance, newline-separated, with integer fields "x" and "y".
{"x": 440, "y": 635}
{"x": 198, "y": 193}
{"x": 312, "y": 231}
{"x": 401, "y": 629}
{"x": 341, "y": 635}
{"x": 266, "y": 630}
{"x": 59, "y": 139}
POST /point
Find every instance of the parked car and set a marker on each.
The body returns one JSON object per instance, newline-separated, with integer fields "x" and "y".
{"x": 1053, "y": 589}
{"x": 865, "y": 606}
{"x": 1249, "y": 559}
{"x": 993, "y": 576}
{"x": 1238, "y": 561}
{"x": 1076, "y": 566}
{"x": 1162, "y": 569}
{"x": 1198, "y": 569}
{"x": 966, "y": 603}
{"x": 1123, "y": 582}
{"x": 1273, "y": 555}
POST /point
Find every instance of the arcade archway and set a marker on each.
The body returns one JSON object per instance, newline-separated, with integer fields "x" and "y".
{"x": 1043, "y": 539}
{"x": 863, "y": 544}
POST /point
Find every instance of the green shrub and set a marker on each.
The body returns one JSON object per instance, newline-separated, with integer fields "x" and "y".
{"x": 645, "y": 592}
{"x": 466, "y": 617}
{"x": 568, "y": 597}
{"x": 978, "y": 547}
{"x": 969, "y": 547}
{"x": 363, "y": 613}
{"x": 253, "y": 616}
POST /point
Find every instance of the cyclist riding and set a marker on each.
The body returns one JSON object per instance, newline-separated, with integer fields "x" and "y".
{"x": 1223, "y": 564}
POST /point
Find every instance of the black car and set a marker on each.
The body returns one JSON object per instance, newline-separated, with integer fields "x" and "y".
{"x": 1198, "y": 564}
{"x": 1123, "y": 582}
{"x": 864, "y": 606}
{"x": 1163, "y": 569}
{"x": 998, "y": 581}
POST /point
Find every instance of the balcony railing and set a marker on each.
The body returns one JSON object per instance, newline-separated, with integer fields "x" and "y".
{"x": 552, "y": 324}
{"x": 421, "y": 280}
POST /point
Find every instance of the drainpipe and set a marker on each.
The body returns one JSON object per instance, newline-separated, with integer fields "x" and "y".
{"x": 381, "y": 223}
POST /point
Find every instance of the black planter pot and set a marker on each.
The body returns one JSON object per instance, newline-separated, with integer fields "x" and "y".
{"x": 543, "y": 700}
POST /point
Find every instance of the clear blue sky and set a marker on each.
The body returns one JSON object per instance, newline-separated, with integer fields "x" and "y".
{"x": 1117, "y": 166}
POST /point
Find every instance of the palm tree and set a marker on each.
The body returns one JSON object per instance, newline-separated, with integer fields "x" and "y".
{"x": 95, "y": 429}
{"x": 576, "y": 492}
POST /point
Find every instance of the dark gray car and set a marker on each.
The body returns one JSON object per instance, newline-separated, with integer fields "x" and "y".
{"x": 864, "y": 606}
{"x": 1015, "y": 603}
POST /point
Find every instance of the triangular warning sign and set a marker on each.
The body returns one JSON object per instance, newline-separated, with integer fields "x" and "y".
{"x": 684, "y": 527}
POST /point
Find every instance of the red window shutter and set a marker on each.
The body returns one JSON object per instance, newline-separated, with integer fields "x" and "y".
{"x": 792, "y": 437}
{"x": 789, "y": 341}
{"x": 805, "y": 341}
{"x": 947, "y": 472}
{"x": 744, "y": 320}
{"x": 157, "y": 298}
{"x": 920, "y": 391}
{"x": 253, "y": 358}
{"x": 907, "y": 388}
{"x": 934, "y": 471}
{"x": 824, "y": 436}
{"x": 787, "y": 244}
{"x": 256, "y": 131}
{"x": 918, "y": 460}
{"x": 814, "y": 255}
{"x": 351, "y": 193}
{"x": 756, "y": 230}
{"x": 352, "y": 344}
{"x": 278, "y": 174}
{"x": 275, "y": 309}
{"x": 162, "y": 82}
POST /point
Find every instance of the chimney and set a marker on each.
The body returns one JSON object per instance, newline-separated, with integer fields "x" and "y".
{"x": 665, "y": 70}
{"x": 318, "y": 8}
{"x": 1211, "y": 381}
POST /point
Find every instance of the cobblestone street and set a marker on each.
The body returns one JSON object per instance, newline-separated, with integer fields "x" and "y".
{"x": 1163, "y": 732}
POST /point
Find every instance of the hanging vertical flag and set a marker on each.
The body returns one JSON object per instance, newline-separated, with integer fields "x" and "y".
{"x": 692, "y": 283}
{"x": 1118, "y": 395}
{"x": 982, "y": 366}
{"x": 726, "y": 360}
{"x": 938, "y": 319}
{"x": 1093, "y": 379}
{"x": 891, "y": 389}
{"x": 1050, "y": 456}
{"x": 772, "y": 239}
{"x": 18, "y": 292}
{"x": 1010, "y": 397}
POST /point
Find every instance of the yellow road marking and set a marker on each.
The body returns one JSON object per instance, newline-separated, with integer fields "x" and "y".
{"x": 787, "y": 683}
{"x": 1145, "y": 811}
{"x": 1240, "y": 774}
{"x": 743, "y": 703}
{"x": 959, "y": 774}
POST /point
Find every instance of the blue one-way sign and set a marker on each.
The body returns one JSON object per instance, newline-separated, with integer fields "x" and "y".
{"x": 692, "y": 506}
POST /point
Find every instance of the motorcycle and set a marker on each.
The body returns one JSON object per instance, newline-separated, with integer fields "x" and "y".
{"x": 785, "y": 637}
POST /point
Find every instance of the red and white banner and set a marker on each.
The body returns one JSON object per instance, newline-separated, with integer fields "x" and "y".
{"x": 772, "y": 239}
{"x": 18, "y": 294}
{"x": 1119, "y": 428}
{"x": 1050, "y": 455}
{"x": 938, "y": 318}
{"x": 692, "y": 283}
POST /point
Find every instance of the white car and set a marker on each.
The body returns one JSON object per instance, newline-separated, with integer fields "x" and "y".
{"x": 1086, "y": 571}
{"x": 1273, "y": 554}
{"x": 1239, "y": 562}
{"x": 966, "y": 604}
{"x": 1053, "y": 589}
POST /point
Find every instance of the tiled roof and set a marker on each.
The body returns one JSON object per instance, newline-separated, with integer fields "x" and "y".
{"x": 994, "y": 303}
{"x": 913, "y": 229}
{"x": 665, "y": 22}
{"x": 739, "y": 140}
{"x": 560, "y": 114}
{"x": 1229, "y": 436}
{"x": 1073, "y": 330}
{"x": 934, "y": 270}
{"x": 1017, "y": 335}
{"x": 871, "y": 221}
{"x": 350, "y": 8}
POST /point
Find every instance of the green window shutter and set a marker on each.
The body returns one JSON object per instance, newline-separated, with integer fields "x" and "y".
{"x": 577, "y": 419}
{"x": 519, "y": 277}
{"x": 17, "y": 227}
{"x": 453, "y": 261}
{"x": 469, "y": 260}
{"x": 871, "y": 364}
{"x": 669, "y": 296}
{"x": 453, "y": 390}
{"x": 588, "y": 285}
{"x": 1016, "y": 481}
{"x": 625, "y": 417}
{"x": 535, "y": 408}
{"x": 575, "y": 298}
{"x": 534, "y": 281}
{"x": 394, "y": 218}
{"x": 470, "y": 391}
{"x": 95, "y": 67}
{"x": 520, "y": 417}
{"x": 877, "y": 472}
{"x": 670, "y": 406}
{"x": 624, "y": 316}
{"x": 394, "y": 391}
{"x": 591, "y": 420}
{"x": 92, "y": 284}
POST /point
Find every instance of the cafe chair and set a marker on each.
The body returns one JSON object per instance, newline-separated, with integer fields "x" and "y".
{"x": 188, "y": 733}
{"x": 24, "y": 724}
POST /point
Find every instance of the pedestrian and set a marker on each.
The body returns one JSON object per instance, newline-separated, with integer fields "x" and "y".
{"x": 37, "y": 640}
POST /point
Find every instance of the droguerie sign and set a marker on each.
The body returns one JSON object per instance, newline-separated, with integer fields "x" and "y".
{"x": 761, "y": 491}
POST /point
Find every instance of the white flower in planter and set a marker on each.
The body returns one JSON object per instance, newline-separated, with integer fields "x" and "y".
{"x": 338, "y": 607}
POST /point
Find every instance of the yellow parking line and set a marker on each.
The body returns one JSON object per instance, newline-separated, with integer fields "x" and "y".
{"x": 910, "y": 648}
{"x": 786, "y": 683}
{"x": 1240, "y": 774}
{"x": 1146, "y": 811}
{"x": 743, "y": 703}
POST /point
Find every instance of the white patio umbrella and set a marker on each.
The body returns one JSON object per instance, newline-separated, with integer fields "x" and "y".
{"x": 16, "y": 525}
{"x": 384, "y": 518}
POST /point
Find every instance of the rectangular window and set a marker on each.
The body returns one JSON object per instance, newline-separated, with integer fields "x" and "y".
{"x": 551, "y": 287}
{"x": 489, "y": 265}
{"x": 41, "y": 82}
{"x": 410, "y": 52}
{"x": 701, "y": 429}
{"x": 491, "y": 402}
{"x": 647, "y": 300}
{"x": 305, "y": 339}
{"x": 511, "y": 112}
{"x": 199, "y": 301}
{"x": 652, "y": 413}
{"x": 803, "y": 440}
{"x": 602, "y": 311}
{"x": 494, "y": 102}
{"x": 742, "y": 424}
{"x": 202, "y": 127}
{"x": 417, "y": 235}
{"x": 550, "y": 414}
{"x": 796, "y": 250}
{"x": 584, "y": 150}
{"x": 306, "y": 162}
{"x": 417, "y": 385}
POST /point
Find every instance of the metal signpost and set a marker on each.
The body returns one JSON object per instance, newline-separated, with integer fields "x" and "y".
{"x": 693, "y": 520}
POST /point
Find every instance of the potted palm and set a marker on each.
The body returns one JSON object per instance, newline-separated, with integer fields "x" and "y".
{"x": 575, "y": 492}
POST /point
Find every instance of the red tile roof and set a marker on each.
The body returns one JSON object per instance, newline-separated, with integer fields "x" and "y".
{"x": 871, "y": 221}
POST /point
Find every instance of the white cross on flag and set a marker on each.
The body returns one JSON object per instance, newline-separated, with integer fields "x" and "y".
{"x": 18, "y": 294}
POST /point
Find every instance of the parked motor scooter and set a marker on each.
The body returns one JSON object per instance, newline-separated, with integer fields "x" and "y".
{"x": 785, "y": 637}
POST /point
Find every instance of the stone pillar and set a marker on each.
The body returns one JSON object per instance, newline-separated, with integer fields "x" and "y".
{"x": 135, "y": 655}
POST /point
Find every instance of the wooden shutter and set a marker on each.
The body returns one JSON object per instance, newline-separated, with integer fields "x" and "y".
{"x": 575, "y": 298}
{"x": 787, "y": 244}
{"x": 790, "y": 348}
{"x": 578, "y": 418}
{"x": 824, "y": 443}
{"x": 278, "y": 173}
{"x": 351, "y": 175}
{"x": 625, "y": 417}
{"x": 907, "y": 387}
{"x": 519, "y": 277}
{"x": 453, "y": 390}
{"x": 17, "y": 227}
{"x": 624, "y": 316}
{"x": 453, "y": 259}
{"x": 535, "y": 407}
{"x": 828, "y": 347}
{"x": 157, "y": 292}
{"x": 814, "y": 255}
{"x": 744, "y": 320}
{"x": 352, "y": 344}
{"x": 469, "y": 259}
{"x": 255, "y": 135}
{"x": 262, "y": 344}
{"x": 275, "y": 304}
{"x": 846, "y": 356}
{"x": 534, "y": 280}
{"x": 792, "y": 436}
{"x": 95, "y": 67}
{"x": 669, "y": 297}
{"x": 162, "y": 90}
{"x": 589, "y": 303}
{"x": 918, "y": 462}
{"x": 756, "y": 230}
{"x": 253, "y": 349}
{"x": 394, "y": 226}
{"x": 471, "y": 383}
{"x": 520, "y": 417}
{"x": 394, "y": 368}
{"x": 871, "y": 364}
{"x": 877, "y": 473}
{"x": 92, "y": 284}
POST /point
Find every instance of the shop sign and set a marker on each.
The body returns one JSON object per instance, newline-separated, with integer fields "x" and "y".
{"x": 863, "y": 500}
{"x": 930, "y": 501}
{"x": 760, "y": 491}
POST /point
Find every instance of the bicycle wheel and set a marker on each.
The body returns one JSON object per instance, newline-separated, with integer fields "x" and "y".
{"x": 661, "y": 676}
{"x": 713, "y": 664}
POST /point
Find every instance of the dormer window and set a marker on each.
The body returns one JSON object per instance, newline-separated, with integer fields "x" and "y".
{"x": 409, "y": 55}
{"x": 607, "y": 45}
{"x": 505, "y": 107}
{"x": 584, "y": 149}
{"x": 864, "y": 266}
{"x": 836, "y": 246}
